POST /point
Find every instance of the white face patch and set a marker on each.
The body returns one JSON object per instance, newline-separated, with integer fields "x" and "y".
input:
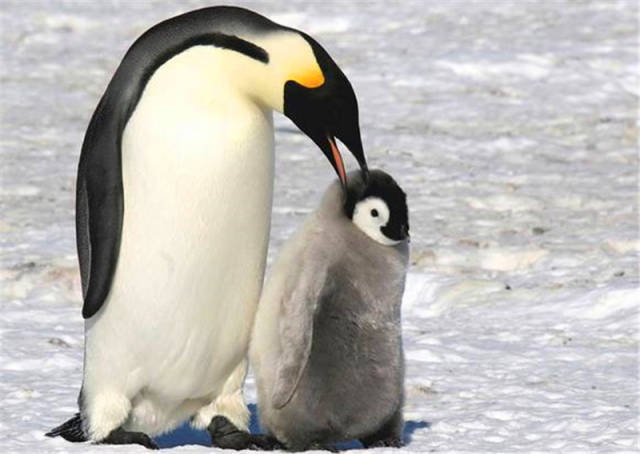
{"x": 370, "y": 215}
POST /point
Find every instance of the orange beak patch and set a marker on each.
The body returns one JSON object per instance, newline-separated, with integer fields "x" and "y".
{"x": 337, "y": 159}
{"x": 310, "y": 79}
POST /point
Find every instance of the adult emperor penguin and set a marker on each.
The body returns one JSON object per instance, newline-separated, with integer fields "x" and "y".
{"x": 327, "y": 347}
{"x": 173, "y": 208}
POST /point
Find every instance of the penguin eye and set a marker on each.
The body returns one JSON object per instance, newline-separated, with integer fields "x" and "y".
{"x": 374, "y": 213}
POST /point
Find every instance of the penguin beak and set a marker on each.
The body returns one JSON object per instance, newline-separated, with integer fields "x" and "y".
{"x": 327, "y": 112}
{"x": 336, "y": 161}
{"x": 349, "y": 135}
{"x": 324, "y": 122}
{"x": 327, "y": 143}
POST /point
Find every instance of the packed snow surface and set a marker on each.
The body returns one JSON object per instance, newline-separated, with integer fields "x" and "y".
{"x": 511, "y": 125}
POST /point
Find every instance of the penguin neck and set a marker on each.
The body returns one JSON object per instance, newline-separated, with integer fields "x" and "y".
{"x": 205, "y": 74}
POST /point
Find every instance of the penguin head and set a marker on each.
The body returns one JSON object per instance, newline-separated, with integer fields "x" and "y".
{"x": 324, "y": 106}
{"x": 312, "y": 91}
{"x": 378, "y": 207}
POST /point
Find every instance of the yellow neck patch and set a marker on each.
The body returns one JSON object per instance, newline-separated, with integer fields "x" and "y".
{"x": 310, "y": 78}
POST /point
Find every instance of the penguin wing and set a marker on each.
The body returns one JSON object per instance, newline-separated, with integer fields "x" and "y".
{"x": 99, "y": 206}
{"x": 298, "y": 307}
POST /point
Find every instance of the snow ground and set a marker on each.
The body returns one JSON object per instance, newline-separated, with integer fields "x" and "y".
{"x": 511, "y": 125}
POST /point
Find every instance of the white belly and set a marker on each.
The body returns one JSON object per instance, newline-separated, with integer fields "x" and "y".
{"x": 198, "y": 183}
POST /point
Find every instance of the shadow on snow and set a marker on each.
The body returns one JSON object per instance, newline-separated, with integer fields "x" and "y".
{"x": 187, "y": 435}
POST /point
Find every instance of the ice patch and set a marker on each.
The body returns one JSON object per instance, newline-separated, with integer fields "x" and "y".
{"x": 612, "y": 302}
{"x": 509, "y": 144}
{"x": 58, "y": 361}
{"x": 568, "y": 201}
{"x": 486, "y": 70}
{"x": 419, "y": 290}
{"x": 293, "y": 20}
{"x": 20, "y": 190}
{"x": 423, "y": 356}
{"x": 494, "y": 439}
{"x": 505, "y": 202}
{"x": 329, "y": 25}
{"x": 507, "y": 258}
{"x": 317, "y": 26}
{"x": 462, "y": 293}
{"x": 623, "y": 246}
{"x": 67, "y": 22}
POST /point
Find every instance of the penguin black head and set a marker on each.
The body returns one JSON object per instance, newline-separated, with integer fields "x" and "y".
{"x": 378, "y": 207}
{"x": 325, "y": 108}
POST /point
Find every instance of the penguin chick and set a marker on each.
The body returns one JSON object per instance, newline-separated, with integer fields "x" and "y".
{"x": 327, "y": 342}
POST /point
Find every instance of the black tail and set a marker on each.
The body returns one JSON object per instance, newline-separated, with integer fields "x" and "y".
{"x": 70, "y": 430}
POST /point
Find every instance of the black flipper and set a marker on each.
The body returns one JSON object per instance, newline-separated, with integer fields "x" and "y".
{"x": 99, "y": 196}
{"x": 227, "y": 436}
{"x": 70, "y": 430}
{"x": 99, "y": 206}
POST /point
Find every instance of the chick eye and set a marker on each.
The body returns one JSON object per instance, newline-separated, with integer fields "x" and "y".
{"x": 374, "y": 213}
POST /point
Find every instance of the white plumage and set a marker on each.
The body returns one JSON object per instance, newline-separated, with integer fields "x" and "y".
{"x": 177, "y": 320}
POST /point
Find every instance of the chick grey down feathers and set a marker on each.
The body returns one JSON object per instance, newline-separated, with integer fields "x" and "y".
{"x": 327, "y": 345}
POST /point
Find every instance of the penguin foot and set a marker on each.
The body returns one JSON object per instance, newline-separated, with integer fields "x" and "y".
{"x": 392, "y": 442}
{"x": 321, "y": 447}
{"x": 387, "y": 436}
{"x": 70, "y": 430}
{"x": 120, "y": 436}
{"x": 227, "y": 436}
